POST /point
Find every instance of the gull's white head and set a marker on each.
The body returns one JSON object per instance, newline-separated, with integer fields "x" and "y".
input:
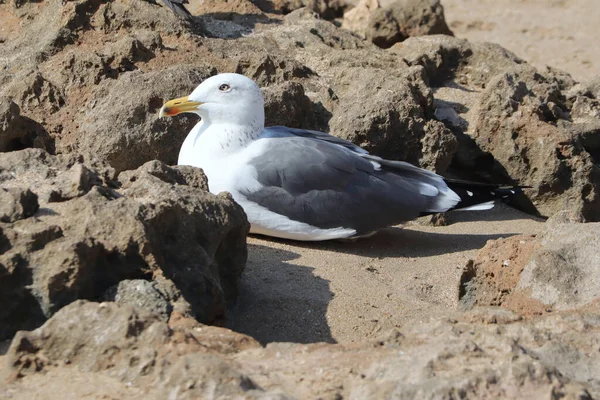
{"x": 223, "y": 98}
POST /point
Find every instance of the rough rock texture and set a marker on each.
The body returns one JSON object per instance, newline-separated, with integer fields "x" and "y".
{"x": 18, "y": 132}
{"x": 327, "y": 9}
{"x": 386, "y": 22}
{"x": 121, "y": 126}
{"x": 513, "y": 123}
{"x": 563, "y": 272}
{"x": 141, "y": 294}
{"x": 556, "y": 270}
{"x": 491, "y": 278}
{"x": 483, "y": 354}
{"x": 16, "y": 204}
{"x": 92, "y": 231}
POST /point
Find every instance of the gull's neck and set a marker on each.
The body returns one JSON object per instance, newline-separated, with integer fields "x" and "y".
{"x": 233, "y": 136}
{"x": 215, "y": 139}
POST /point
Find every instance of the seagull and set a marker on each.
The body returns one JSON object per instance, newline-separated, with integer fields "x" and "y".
{"x": 302, "y": 184}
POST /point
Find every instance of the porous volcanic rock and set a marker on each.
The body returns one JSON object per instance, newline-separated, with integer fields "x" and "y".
{"x": 103, "y": 102}
{"x": 514, "y": 124}
{"x": 488, "y": 353}
{"x": 122, "y": 127}
{"x": 563, "y": 273}
{"x": 556, "y": 270}
{"x": 75, "y": 231}
{"x": 386, "y": 22}
{"x": 18, "y": 132}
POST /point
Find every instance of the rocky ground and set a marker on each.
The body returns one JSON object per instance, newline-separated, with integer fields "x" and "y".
{"x": 120, "y": 274}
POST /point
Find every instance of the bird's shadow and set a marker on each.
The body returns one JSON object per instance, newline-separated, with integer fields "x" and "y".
{"x": 399, "y": 242}
{"x": 280, "y": 301}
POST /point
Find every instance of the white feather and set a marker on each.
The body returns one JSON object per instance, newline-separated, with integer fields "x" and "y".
{"x": 479, "y": 207}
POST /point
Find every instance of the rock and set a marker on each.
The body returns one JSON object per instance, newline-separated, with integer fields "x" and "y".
{"x": 16, "y": 204}
{"x": 418, "y": 17}
{"x": 287, "y": 104}
{"x": 532, "y": 275}
{"x": 386, "y": 22}
{"x": 18, "y": 132}
{"x": 456, "y": 63}
{"x": 564, "y": 217}
{"x": 114, "y": 91}
{"x": 135, "y": 346}
{"x": 327, "y": 9}
{"x": 438, "y": 147}
{"x": 562, "y": 273}
{"x": 483, "y": 353}
{"x": 528, "y": 138}
{"x": 387, "y": 115}
{"x": 589, "y": 88}
{"x": 491, "y": 278}
{"x": 92, "y": 231}
{"x": 504, "y": 107}
{"x": 125, "y": 114}
{"x": 9, "y": 111}
{"x": 472, "y": 110}
{"x": 141, "y": 294}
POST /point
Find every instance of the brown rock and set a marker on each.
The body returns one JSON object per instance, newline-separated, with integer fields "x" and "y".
{"x": 17, "y": 203}
{"x": 418, "y": 17}
{"x": 521, "y": 131}
{"x": 562, "y": 273}
{"x": 132, "y": 345}
{"x": 88, "y": 235}
{"x": 124, "y": 113}
{"x": 100, "y": 96}
{"x": 485, "y": 353}
{"x": 18, "y": 132}
{"x": 531, "y": 275}
{"x": 387, "y": 115}
{"x": 327, "y": 9}
{"x": 142, "y": 294}
{"x": 112, "y": 91}
{"x": 491, "y": 279}
{"x": 287, "y": 104}
{"x": 516, "y": 123}
{"x": 386, "y": 22}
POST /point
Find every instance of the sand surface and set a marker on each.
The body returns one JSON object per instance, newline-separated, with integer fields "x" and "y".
{"x": 559, "y": 33}
{"x": 348, "y": 291}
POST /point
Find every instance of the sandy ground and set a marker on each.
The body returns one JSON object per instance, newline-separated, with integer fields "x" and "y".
{"x": 348, "y": 291}
{"x": 559, "y": 33}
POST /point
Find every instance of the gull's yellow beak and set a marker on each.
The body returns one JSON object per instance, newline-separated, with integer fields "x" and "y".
{"x": 178, "y": 106}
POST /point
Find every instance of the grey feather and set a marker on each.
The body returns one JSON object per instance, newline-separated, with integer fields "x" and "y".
{"x": 328, "y": 182}
{"x": 284, "y": 131}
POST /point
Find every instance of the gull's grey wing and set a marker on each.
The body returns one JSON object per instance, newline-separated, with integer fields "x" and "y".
{"x": 399, "y": 166}
{"x": 283, "y": 131}
{"x": 327, "y": 185}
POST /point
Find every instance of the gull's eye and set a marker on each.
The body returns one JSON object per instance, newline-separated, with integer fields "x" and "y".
{"x": 224, "y": 87}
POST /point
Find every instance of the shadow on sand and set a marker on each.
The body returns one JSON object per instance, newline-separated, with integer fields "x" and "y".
{"x": 280, "y": 301}
{"x": 403, "y": 242}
